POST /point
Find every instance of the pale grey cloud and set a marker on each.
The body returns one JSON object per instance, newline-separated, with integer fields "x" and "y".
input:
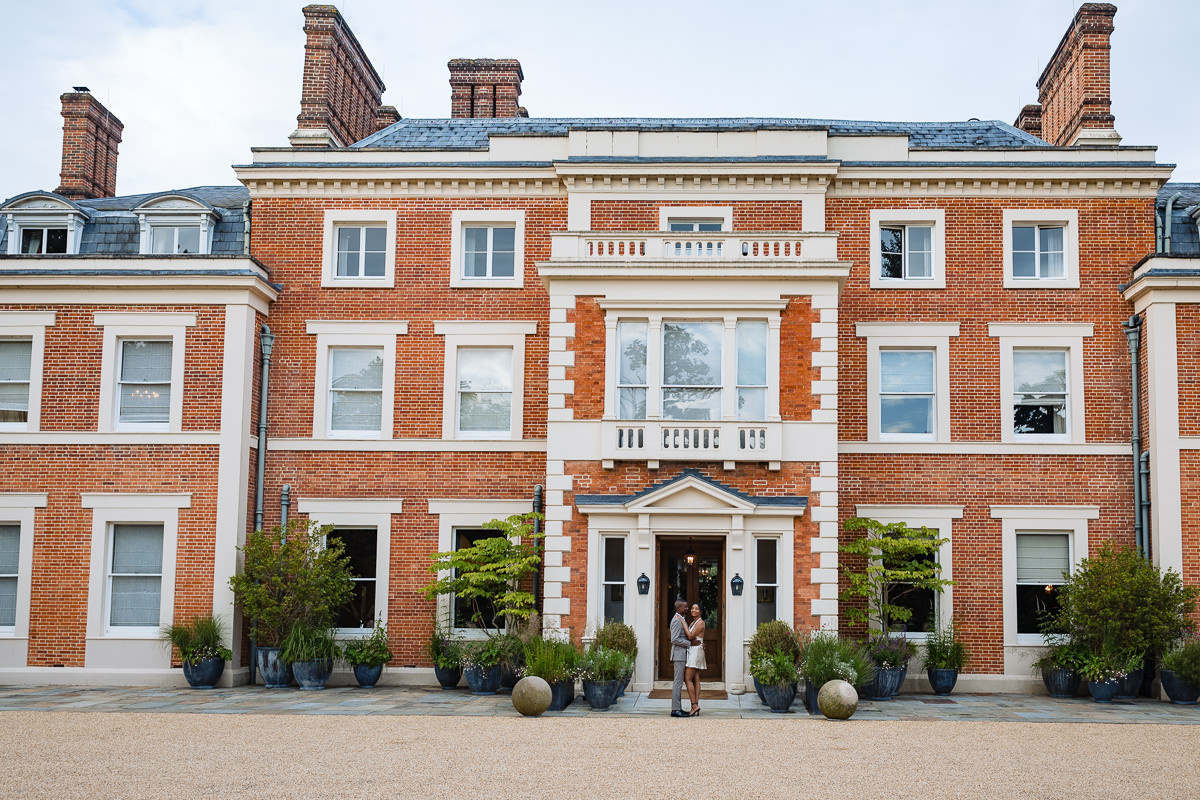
{"x": 197, "y": 84}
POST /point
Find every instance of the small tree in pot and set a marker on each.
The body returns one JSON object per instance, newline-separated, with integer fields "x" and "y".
{"x": 202, "y": 650}
{"x": 368, "y": 655}
{"x": 622, "y": 638}
{"x": 289, "y": 578}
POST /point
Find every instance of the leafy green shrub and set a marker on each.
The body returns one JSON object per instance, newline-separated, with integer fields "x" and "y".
{"x": 774, "y": 636}
{"x": 480, "y": 654}
{"x": 305, "y": 643}
{"x": 890, "y": 652}
{"x": 291, "y": 577}
{"x": 1060, "y": 653}
{"x": 552, "y": 660}
{"x": 617, "y": 636}
{"x": 945, "y": 649}
{"x": 603, "y": 664}
{"x": 203, "y": 637}
{"x": 443, "y": 650}
{"x": 825, "y": 657}
{"x": 1120, "y": 598}
{"x": 1184, "y": 660}
{"x": 372, "y": 651}
{"x": 512, "y": 650}
{"x": 1108, "y": 663}
{"x": 774, "y": 669}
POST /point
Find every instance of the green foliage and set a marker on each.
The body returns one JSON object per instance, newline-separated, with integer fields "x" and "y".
{"x": 443, "y": 650}
{"x": 774, "y": 636}
{"x": 1109, "y": 662}
{"x": 306, "y": 643}
{"x": 553, "y": 660}
{"x": 774, "y": 668}
{"x": 1184, "y": 660}
{"x": 896, "y": 560}
{"x": 291, "y": 578}
{"x": 1119, "y": 597}
{"x": 603, "y": 664}
{"x": 945, "y": 649}
{"x": 890, "y": 652}
{"x": 825, "y": 657}
{"x": 492, "y": 571}
{"x": 480, "y": 654}
{"x": 203, "y": 637}
{"x": 372, "y": 651}
{"x": 1060, "y": 653}
{"x": 617, "y": 636}
{"x": 512, "y": 650}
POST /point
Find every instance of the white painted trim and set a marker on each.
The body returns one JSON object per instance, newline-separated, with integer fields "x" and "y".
{"x": 459, "y": 219}
{"x": 935, "y": 217}
{"x": 120, "y": 649}
{"x": 335, "y": 217}
{"x": 1162, "y": 407}
{"x": 474, "y": 507}
{"x": 53, "y": 214}
{"x": 987, "y": 448}
{"x": 1043, "y": 336}
{"x": 483, "y": 334}
{"x": 347, "y": 512}
{"x": 1068, "y": 217}
{"x": 408, "y": 445}
{"x": 933, "y": 336}
{"x": 31, "y": 325}
{"x": 722, "y": 213}
{"x": 360, "y": 335}
{"x": 1072, "y": 520}
{"x": 20, "y": 508}
{"x": 118, "y": 326}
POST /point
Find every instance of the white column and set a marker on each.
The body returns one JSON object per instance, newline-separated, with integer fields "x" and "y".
{"x": 641, "y": 553}
{"x": 1162, "y": 404}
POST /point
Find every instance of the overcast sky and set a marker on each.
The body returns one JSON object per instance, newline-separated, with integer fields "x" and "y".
{"x": 197, "y": 84}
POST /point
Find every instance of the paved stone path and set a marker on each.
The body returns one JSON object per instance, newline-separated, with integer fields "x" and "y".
{"x": 409, "y": 701}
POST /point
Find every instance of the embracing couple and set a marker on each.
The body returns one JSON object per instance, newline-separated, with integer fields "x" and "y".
{"x": 687, "y": 656}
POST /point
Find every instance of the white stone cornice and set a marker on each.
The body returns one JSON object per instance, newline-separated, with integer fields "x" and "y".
{"x": 959, "y": 180}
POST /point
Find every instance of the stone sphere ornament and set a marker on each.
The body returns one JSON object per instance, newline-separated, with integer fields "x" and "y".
{"x": 531, "y": 696}
{"x": 837, "y": 700}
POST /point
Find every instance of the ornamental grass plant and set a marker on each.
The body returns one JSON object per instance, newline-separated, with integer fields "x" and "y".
{"x": 552, "y": 660}
{"x": 825, "y": 657}
{"x": 1184, "y": 660}
{"x": 203, "y": 637}
{"x": 945, "y": 649}
{"x": 370, "y": 651}
{"x": 605, "y": 664}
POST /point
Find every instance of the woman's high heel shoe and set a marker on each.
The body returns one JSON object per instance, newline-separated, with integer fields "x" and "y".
{"x": 695, "y": 712}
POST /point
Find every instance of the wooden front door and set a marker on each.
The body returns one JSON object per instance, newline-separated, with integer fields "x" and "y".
{"x": 701, "y": 582}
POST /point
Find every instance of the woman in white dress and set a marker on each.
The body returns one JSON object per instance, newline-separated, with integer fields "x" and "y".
{"x": 695, "y": 657}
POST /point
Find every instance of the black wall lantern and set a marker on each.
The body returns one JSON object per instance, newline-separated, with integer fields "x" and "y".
{"x": 736, "y": 583}
{"x": 643, "y": 584}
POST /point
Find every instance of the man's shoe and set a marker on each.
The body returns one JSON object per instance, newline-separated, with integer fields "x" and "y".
{"x": 679, "y": 714}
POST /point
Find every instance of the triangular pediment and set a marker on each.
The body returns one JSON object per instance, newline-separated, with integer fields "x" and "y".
{"x": 691, "y": 492}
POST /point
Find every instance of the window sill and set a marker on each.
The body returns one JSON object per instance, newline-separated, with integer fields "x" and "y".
{"x": 1036, "y": 283}
{"x": 358, "y": 283}
{"x": 486, "y": 283}
{"x": 908, "y": 283}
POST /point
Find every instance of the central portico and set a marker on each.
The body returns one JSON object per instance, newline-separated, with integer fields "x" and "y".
{"x": 736, "y": 533}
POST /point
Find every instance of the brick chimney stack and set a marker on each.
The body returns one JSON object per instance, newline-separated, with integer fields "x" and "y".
{"x": 341, "y": 93}
{"x": 1030, "y": 120}
{"x": 89, "y": 154}
{"x": 1074, "y": 91}
{"x": 485, "y": 87}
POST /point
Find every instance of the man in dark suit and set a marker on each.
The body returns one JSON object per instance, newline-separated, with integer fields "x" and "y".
{"x": 679, "y": 650}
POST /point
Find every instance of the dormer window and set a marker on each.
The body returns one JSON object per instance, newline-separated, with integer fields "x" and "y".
{"x": 176, "y": 224}
{"x": 43, "y": 241}
{"x": 174, "y": 239}
{"x": 43, "y": 223}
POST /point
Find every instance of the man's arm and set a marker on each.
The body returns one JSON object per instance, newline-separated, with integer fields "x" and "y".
{"x": 678, "y": 634}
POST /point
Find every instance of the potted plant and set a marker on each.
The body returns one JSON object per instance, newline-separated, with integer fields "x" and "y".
{"x": 1180, "y": 672}
{"x": 622, "y": 638}
{"x": 446, "y": 655}
{"x": 310, "y": 652}
{"x": 289, "y": 578}
{"x": 1104, "y": 670}
{"x": 512, "y": 658}
{"x": 557, "y": 663}
{"x": 368, "y": 655}
{"x": 890, "y": 655}
{"x": 480, "y": 662}
{"x": 201, "y": 649}
{"x": 1060, "y": 666}
{"x": 776, "y": 673}
{"x": 825, "y": 657}
{"x": 945, "y": 654}
{"x": 603, "y": 671}
{"x": 772, "y": 636}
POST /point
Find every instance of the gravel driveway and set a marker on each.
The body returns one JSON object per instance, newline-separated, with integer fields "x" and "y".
{"x": 133, "y": 755}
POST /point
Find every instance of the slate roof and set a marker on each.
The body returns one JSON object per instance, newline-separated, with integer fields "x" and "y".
{"x": 758, "y": 500}
{"x": 472, "y": 134}
{"x": 113, "y": 229}
{"x": 1185, "y": 238}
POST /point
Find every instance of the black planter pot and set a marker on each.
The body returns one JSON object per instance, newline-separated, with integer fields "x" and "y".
{"x": 312, "y": 675}
{"x": 562, "y": 694}
{"x": 1061, "y": 682}
{"x": 205, "y": 673}
{"x": 810, "y": 697}
{"x": 367, "y": 675}
{"x": 447, "y": 677}
{"x": 483, "y": 680}
{"x": 1179, "y": 691}
{"x": 758, "y": 689}
{"x": 942, "y": 680}
{"x": 903, "y": 675}
{"x": 1131, "y": 684}
{"x": 601, "y": 694}
{"x": 508, "y": 675}
{"x": 624, "y": 686}
{"x": 780, "y": 696}
{"x": 1104, "y": 691}
{"x": 276, "y": 674}
{"x": 884, "y": 685}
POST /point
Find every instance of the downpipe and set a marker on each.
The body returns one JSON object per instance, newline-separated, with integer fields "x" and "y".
{"x": 1133, "y": 336}
{"x": 539, "y": 505}
{"x": 266, "y": 342}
